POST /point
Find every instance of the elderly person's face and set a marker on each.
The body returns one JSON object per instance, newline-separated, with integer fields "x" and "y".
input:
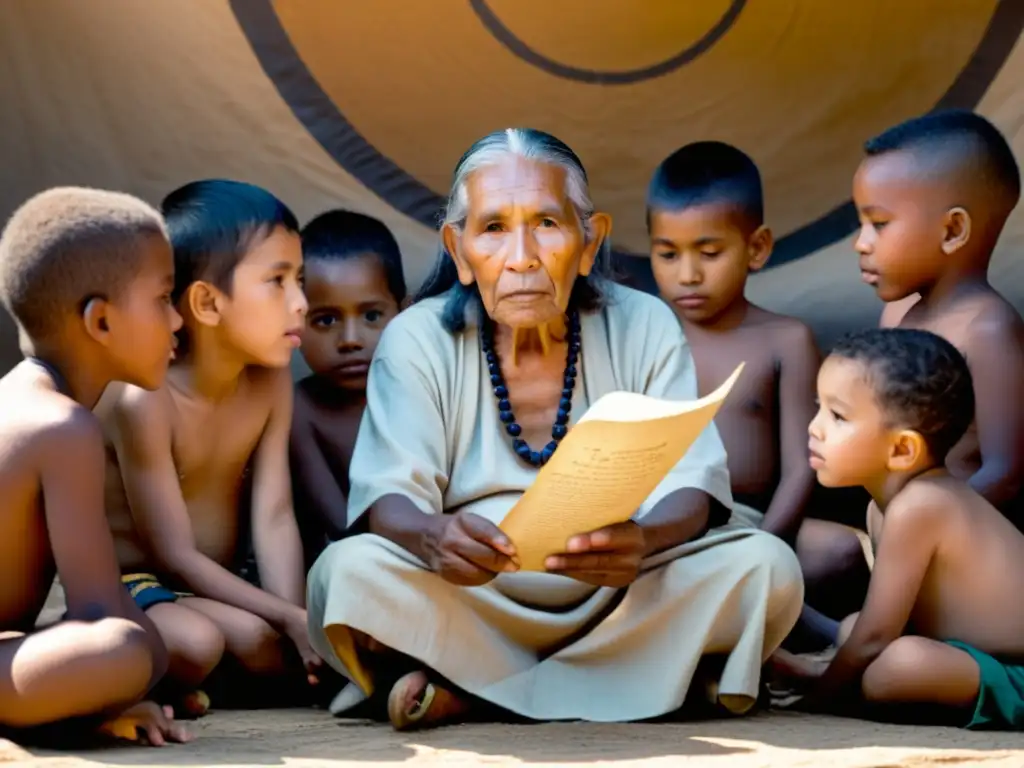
{"x": 523, "y": 243}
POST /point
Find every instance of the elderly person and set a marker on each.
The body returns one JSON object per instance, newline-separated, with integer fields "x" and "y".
{"x": 469, "y": 393}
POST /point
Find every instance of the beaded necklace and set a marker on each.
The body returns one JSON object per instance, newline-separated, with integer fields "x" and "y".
{"x": 560, "y": 428}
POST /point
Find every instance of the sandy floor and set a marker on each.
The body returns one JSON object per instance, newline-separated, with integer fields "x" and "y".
{"x": 303, "y": 738}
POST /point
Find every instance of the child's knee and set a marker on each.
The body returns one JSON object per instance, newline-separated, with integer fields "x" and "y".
{"x": 123, "y": 643}
{"x": 258, "y": 646}
{"x": 194, "y": 642}
{"x": 885, "y": 678}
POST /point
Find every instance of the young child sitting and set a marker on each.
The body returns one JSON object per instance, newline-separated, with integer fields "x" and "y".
{"x": 942, "y": 629}
{"x": 933, "y": 195}
{"x": 355, "y": 285}
{"x": 87, "y": 276}
{"x": 705, "y": 216}
{"x": 181, "y": 457}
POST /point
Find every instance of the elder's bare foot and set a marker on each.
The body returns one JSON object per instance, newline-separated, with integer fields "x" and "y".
{"x": 415, "y": 702}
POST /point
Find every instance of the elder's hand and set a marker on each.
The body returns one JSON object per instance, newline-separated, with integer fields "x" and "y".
{"x": 607, "y": 557}
{"x": 470, "y": 550}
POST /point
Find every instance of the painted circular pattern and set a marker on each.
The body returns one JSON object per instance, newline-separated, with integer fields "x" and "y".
{"x": 396, "y": 91}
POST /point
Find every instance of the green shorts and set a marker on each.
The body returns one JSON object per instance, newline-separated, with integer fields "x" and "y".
{"x": 1000, "y": 704}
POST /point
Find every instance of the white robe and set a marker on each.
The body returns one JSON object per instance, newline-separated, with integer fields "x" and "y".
{"x": 542, "y": 645}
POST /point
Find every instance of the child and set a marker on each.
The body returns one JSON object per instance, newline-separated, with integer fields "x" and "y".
{"x": 181, "y": 455}
{"x": 933, "y": 195}
{"x": 355, "y": 285}
{"x": 87, "y": 277}
{"x": 705, "y": 215}
{"x": 944, "y": 600}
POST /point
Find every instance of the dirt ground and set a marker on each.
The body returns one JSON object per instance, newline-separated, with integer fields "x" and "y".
{"x": 780, "y": 740}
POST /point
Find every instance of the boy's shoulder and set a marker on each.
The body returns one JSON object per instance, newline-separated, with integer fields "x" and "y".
{"x": 927, "y": 502}
{"x": 782, "y": 336}
{"x": 44, "y": 419}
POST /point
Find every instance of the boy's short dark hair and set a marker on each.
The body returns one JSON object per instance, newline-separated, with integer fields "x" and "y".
{"x": 961, "y": 138}
{"x": 212, "y": 225}
{"x": 920, "y": 380}
{"x": 707, "y": 172}
{"x": 340, "y": 234}
{"x": 69, "y": 245}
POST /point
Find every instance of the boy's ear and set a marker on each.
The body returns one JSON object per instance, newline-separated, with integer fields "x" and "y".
{"x": 204, "y": 302}
{"x": 96, "y": 317}
{"x": 760, "y": 247}
{"x": 907, "y": 451}
{"x": 957, "y": 230}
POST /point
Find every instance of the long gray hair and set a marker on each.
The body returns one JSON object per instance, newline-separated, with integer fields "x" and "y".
{"x": 587, "y": 293}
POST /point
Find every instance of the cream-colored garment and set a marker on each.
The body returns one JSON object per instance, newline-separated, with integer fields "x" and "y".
{"x": 541, "y": 645}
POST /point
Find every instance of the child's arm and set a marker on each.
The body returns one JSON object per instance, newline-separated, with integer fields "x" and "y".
{"x": 72, "y": 473}
{"x": 275, "y": 534}
{"x": 142, "y": 440}
{"x": 909, "y": 541}
{"x": 995, "y": 355}
{"x": 797, "y": 386}
{"x": 310, "y": 470}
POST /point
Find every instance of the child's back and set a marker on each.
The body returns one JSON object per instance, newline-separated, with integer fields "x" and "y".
{"x": 87, "y": 277}
{"x": 970, "y": 590}
{"x": 355, "y": 285}
{"x": 933, "y": 195}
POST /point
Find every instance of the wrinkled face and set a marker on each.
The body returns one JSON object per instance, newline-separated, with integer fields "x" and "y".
{"x": 522, "y": 244}
{"x": 264, "y": 313}
{"x": 700, "y": 257}
{"x": 850, "y": 440}
{"x": 142, "y": 321}
{"x": 349, "y": 305}
{"x": 901, "y": 225}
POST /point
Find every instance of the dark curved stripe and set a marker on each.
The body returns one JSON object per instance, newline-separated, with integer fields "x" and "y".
{"x": 520, "y": 49}
{"x": 353, "y": 152}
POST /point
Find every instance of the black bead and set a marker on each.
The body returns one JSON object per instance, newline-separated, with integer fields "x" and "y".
{"x": 559, "y": 431}
{"x": 501, "y": 391}
{"x": 494, "y": 369}
{"x": 567, "y": 393}
{"x": 562, "y": 417}
{"x": 507, "y": 416}
{"x": 504, "y": 405}
{"x": 535, "y": 458}
{"x": 569, "y": 382}
{"x": 564, "y": 404}
{"x": 570, "y": 371}
{"x": 491, "y": 357}
{"x": 514, "y": 429}
{"x": 518, "y": 444}
{"x": 495, "y": 380}
{"x": 574, "y": 347}
{"x": 524, "y": 450}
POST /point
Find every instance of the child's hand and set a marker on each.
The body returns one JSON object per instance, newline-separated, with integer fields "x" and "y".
{"x": 156, "y": 724}
{"x": 297, "y": 630}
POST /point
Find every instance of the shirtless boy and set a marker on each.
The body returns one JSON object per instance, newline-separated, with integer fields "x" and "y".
{"x": 355, "y": 285}
{"x": 179, "y": 458}
{"x": 944, "y": 600}
{"x": 705, "y": 215}
{"x": 933, "y": 195}
{"x": 87, "y": 276}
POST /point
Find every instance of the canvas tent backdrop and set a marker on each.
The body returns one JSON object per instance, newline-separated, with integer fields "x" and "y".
{"x": 369, "y": 105}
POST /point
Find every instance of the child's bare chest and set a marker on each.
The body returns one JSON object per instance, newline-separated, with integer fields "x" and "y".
{"x": 214, "y": 445}
{"x": 335, "y": 432}
{"x": 755, "y": 394}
